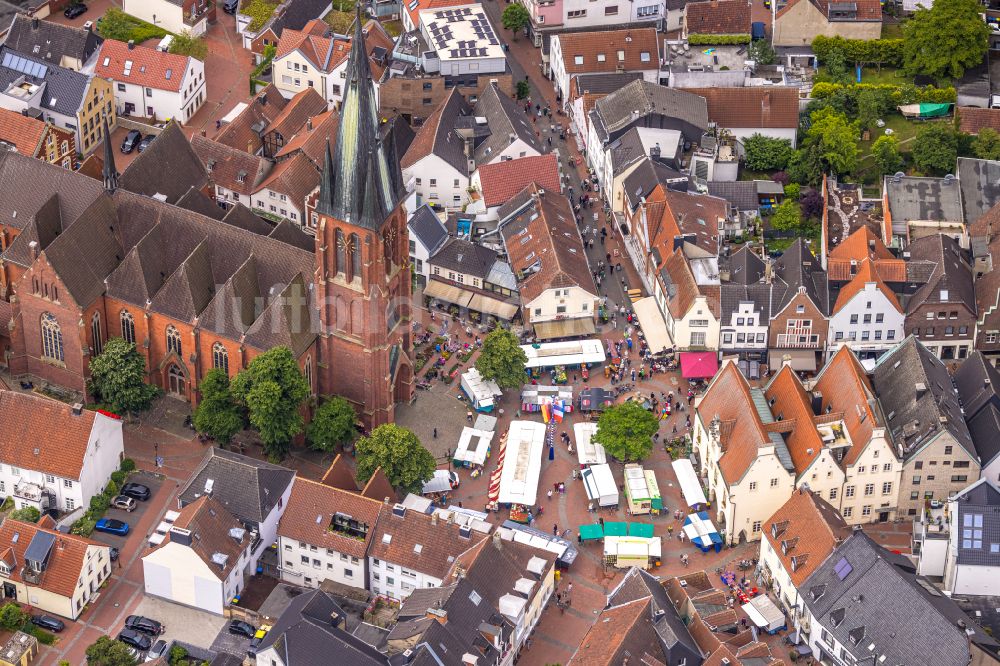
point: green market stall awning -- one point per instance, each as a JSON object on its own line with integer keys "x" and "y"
{"x": 925, "y": 110}
{"x": 615, "y": 529}
{"x": 644, "y": 530}
{"x": 657, "y": 503}
{"x": 591, "y": 532}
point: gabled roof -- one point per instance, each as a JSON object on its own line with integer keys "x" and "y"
{"x": 694, "y": 217}
{"x": 419, "y": 542}
{"x": 951, "y": 280}
{"x": 310, "y": 511}
{"x": 866, "y": 275}
{"x": 45, "y": 436}
{"x": 978, "y": 383}
{"x": 506, "y": 122}
{"x": 803, "y": 533}
{"x": 640, "y": 98}
{"x": 213, "y": 535}
{"x": 464, "y": 256}
{"x": 245, "y": 132}
{"x": 437, "y": 135}
{"x": 169, "y": 167}
{"x": 919, "y": 398}
{"x": 790, "y": 402}
{"x": 247, "y": 487}
{"x": 800, "y": 269}
{"x": 141, "y": 66}
{"x": 231, "y": 168}
{"x": 647, "y": 175}
{"x": 66, "y": 561}
{"x": 544, "y": 247}
{"x": 427, "y": 228}
{"x": 312, "y": 137}
{"x": 314, "y": 41}
{"x": 626, "y": 627}
{"x": 718, "y": 17}
{"x": 64, "y": 88}
{"x": 867, "y": 10}
{"x": 602, "y": 83}
{"x": 23, "y": 132}
{"x": 294, "y": 14}
{"x": 295, "y": 177}
{"x": 980, "y": 502}
{"x": 640, "y": 47}
{"x": 983, "y": 428}
{"x": 751, "y": 106}
{"x": 51, "y": 41}
{"x": 502, "y": 180}
{"x": 843, "y": 260}
{"x": 846, "y": 389}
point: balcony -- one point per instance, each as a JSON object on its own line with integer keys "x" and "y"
{"x": 29, "y": 492}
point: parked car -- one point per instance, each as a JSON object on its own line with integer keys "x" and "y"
{"x": 144, "y": 624}
{"x": 241, "y": 628}
{"x": 230, "y": 6}
{"x": 258, "y": 638}
{"x": 124, "y": 503}
{"x": 112, "y": 526}
{"x": 144, "y": 144}
{"x": 75, "y": 10}
{"x": 48, "y": 622}
{"x": 158, "y": 650}
{"x": 136, "y": 491}
{"x": 135, "y": 639}
{"x": 113, "y": 553}
{"x": 132, "y": 140}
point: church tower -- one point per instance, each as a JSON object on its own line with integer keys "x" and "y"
{"x": 364, "y": 290}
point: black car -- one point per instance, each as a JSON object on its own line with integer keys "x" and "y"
{"x": 48, "y": 622}
{"x": 132, "y": 140}
{"x": 230, "y": 6}
{"x": 241, "y": 628}
{"x": 135, "y": 639}
{"x": 136, "y": 491}
{"x": 113, "y": 553}
{"x": 144, "y": 624}
{"x": 144, "y": 144}
{"x": 75, "y": 10}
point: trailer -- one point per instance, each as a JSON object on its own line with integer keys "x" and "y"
{"x": 482, "y": 393}
{"x": 641, "y": 490}
{"x": 600, "y": 485}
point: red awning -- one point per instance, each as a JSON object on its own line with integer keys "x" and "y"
{"x": 699, "y": 365}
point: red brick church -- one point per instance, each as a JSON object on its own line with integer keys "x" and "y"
{"x": 147, "y": 256}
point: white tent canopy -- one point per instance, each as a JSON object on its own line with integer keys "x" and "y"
{"x": 473, "y": 445}
{"x": 575, "y": 352}
{"x": 631, "y": 551}
{"x": 764, "y": 613}
{"x": 688, "y": 480}
{"x": 600, "y": 485}
{"x": 439, "y": 483}
{"x": 587, "y": 450}
{"x": 522, "y": 463}
{"x": 654, "y": 328}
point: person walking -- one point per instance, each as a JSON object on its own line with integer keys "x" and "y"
{"x": 435, "y": 433}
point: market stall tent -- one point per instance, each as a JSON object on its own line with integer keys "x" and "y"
{"x": 595, "y": 399}
{"x": 641, "y": 490}
{"x": 592, "y": 532}
{"x": 699, "y": 365}
{"x": 600, "y": 485}
{"x": 762, "y": 611}
{"x": 473, "y": 447}
{"x": 626, "y": 551}
{"x": 654, "y": 328}
{"x": 575, "y": 352}
{"x": 441, "y": 482}
{"x": 699, "y": 529}
{"x": 587, "y": 450}
{"x": 688, "y": 480}
{"x": 482, "y": 393}
{"x": 522, "y": 463}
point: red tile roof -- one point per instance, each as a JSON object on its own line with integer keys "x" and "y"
{"x": 502, "y": 180}
{"x": 310, "y": 509}
{"x": 419, "y": 542}
{"x": 150, "y": 68}
{"x": 867, "y": 10}
{"x": 810, "y": 530}
{"x": 211, "y": 525}
{"x": 866, "y": 274}
{"x": 791, "y": 401}
{"x": 972, "y": 119}
{"x": 295, "y": 177}
{"x": 22, "y": 132}
{"x": 311, "y": 41}
{"x": 634, "y": 43}
{"x": 846, "y": 389}
{"x": 718, "y": 17}
{"x": 752, "y": 106}
{"x": 606, "y": 636}
{"x": 741, "y": 429}
{"x": 66, "y": 562}
{"x": 46, "y": 436}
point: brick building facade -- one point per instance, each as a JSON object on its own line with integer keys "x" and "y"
{"x": 415, "y": 97}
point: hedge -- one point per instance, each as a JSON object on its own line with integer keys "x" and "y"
{"x": 717, "y": 40}
{"x": 901, "y": 94}
{"x": 888, "y": 52}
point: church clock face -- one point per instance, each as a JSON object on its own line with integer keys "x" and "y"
{"x": 346, "y": 245}
{"x": 390, "y": 235}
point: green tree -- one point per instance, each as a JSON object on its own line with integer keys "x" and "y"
{"x": 332, "y": 424}
{"x": 399, "y": 453}
{"x": 217, "y": 415}
{"x": 502, "y": 359}
{"x": 272, "y": 388}
{"x": 793, "y": 191}
{"x": 764, "y": 153}
{"x": 760, "y": 52}
{"x": 626, "y": 430}
{"x": 515, "y": 18}
{"x": 27, "y": 514}
{"x": 186, "y": 44}
{"x": 117, "y": 378}
{"x": 869, "y": 108}
{"x": 12, "y": 617}
{"x": 178, "y": 656}
{"x": 523, "y": 89}
{"x": 787, "y": 216}
{"x": 986, "y": 146}
{"x": 946, "y": 39}
{"x": 830, "y": 144}
{"x": 935, "y": 148}
{"x": 885, "y": 150}
{"x": 109, "y": 652}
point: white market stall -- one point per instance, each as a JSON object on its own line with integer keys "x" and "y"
{"x": 587, "y": 450}
{"x": 482, "y": 393}
{"x": 654, "y": 328}
{"x": 690, "y": 486}
{"x": 762, "y": 611}
{"x": 441, "y": 482}
{"x": 473, "y": 449}
{"x": 576, "y": 352}
{"x": 641, "y": 490}
{"x": 600, "y": 485}
{"x": 522, "y": 463}
{"x": 624, "y": 552}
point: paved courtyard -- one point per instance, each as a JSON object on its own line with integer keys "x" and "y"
{"x": 189, "y": 625}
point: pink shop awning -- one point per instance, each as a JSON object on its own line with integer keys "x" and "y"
{"x": 699, "y": 365}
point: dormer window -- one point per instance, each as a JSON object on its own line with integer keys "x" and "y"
{"x": 4, "y": 569}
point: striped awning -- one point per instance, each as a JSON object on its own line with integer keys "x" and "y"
{"x": 448, "y": 293}
{"x": 564, "y": 328}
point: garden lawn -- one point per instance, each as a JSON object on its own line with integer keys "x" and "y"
{"x": 259, "y": 12}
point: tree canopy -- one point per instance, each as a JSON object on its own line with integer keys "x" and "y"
{"x": 787, "y": 216}
{"x": 515, "y": 18}
{"x": 273, "y": 389}
{"x": 885, "y": 151}
{"x": 12, "y": 617}
{"x": 217, "y": 415}
{"x": 26, "y": 514}
{"x": 109, "y": 652}
{"x": 186, "y": 44}
{"x": 760, "y": 52}
{"x": 834, "y": 139}
{"x": 501, "y": 358}
{"x": 626, "y": 430}
{"x": 935, "y": 148}
{"x": 405, "y": 461}
{"x": 986, "y": 146}
{"x": 765, "y": 153}
{"x": 118, "y": 378}
{"x": 946, "y": 39}
{"x": 332, "y": 424}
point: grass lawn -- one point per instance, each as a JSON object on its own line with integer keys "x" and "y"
{"x": 116, "y": 24}
{"x": 259, "y": 12}
{"x": 892, "y": 30}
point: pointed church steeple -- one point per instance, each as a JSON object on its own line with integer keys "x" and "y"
{"x": 110, "y": 171}
{"x": 359, "y": 154}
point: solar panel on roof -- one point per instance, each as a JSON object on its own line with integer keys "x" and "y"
{"x": 843, "y": 568}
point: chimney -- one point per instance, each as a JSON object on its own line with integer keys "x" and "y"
{"x": 77, "y": 409}
{"x": 131, "y": 44}
{"x": 438, "y": 614}
{"x": 180, "y": 535}
{"x": 33, "y": 248}
{"x": 204, "y": 133}
{"x": 469, "y": 659}
{"x": 34, "y": 23}
{"x": 263, "y": 99}
{"x": 434, "y": 518}
{"x": 309, "y": 124}
{"x": 786, "y": 359}
{"x": 337, "y": 620}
